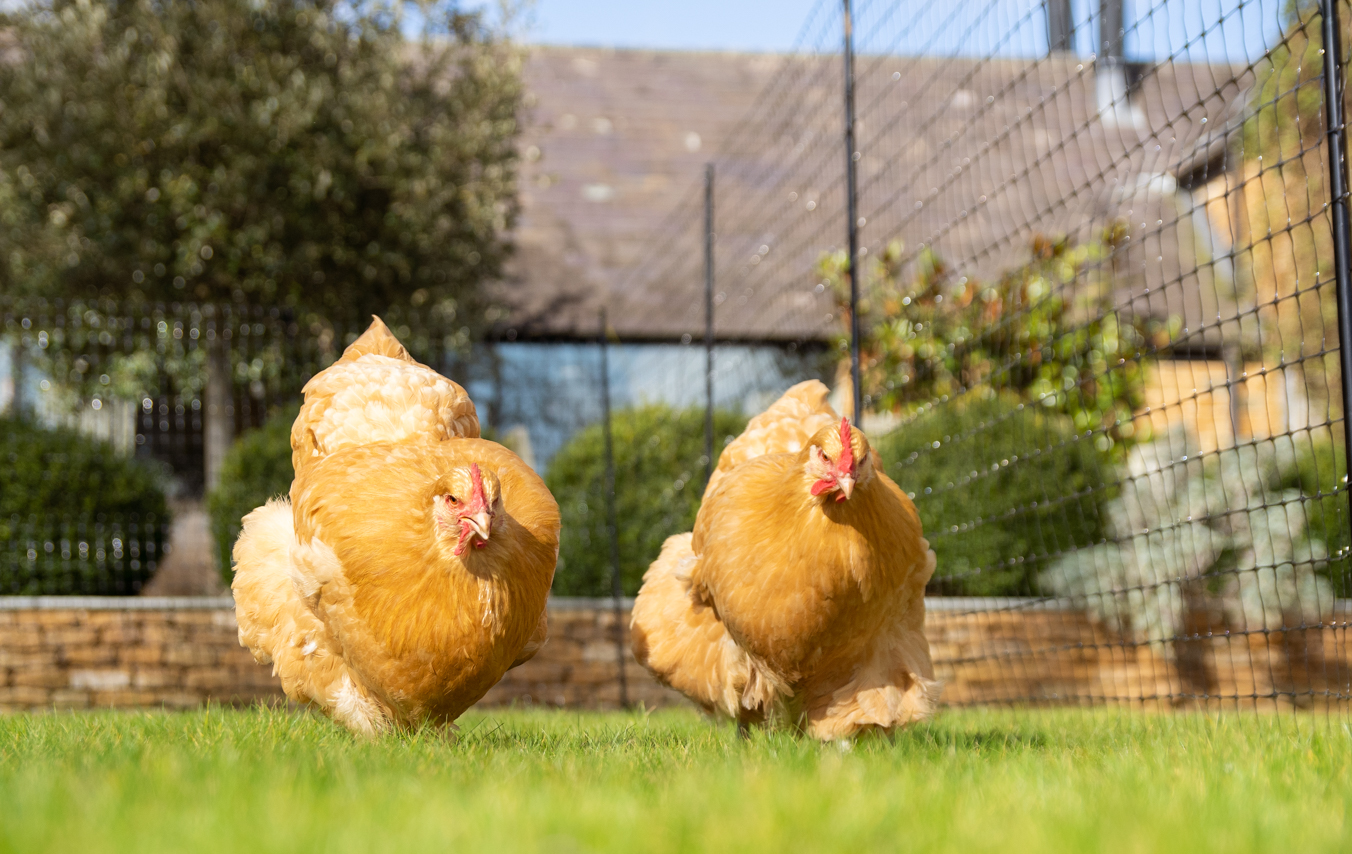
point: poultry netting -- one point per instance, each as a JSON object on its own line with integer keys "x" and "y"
{"x": 1098, "y": 346}
{"x": 1098, "y": 337}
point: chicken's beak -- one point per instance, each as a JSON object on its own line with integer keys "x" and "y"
{"x": 846, "y": 483}
{"x": 480, "y": 523}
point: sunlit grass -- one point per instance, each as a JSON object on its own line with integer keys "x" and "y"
{"x": 271, "y": 780}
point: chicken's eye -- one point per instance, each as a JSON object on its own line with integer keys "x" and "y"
{"x": 452, "y": 499}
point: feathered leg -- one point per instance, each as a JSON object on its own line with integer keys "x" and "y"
{"x": 277, "y": 627}
{"x": 682, "y": 641}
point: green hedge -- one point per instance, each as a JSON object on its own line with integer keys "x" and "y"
{"x": 76, "y": 518}
{"x": 256, "y": 468}
{"x": 1001, "y": 488}
{"x": 659, "y": 480}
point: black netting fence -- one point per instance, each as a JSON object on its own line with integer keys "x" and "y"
{"x": 1097, "y": 272}
{"x": 1097, "y": 275}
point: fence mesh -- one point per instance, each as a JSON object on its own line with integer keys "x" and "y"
{"x": 1099, "y": 334}
{"x": 1099, "y": 345}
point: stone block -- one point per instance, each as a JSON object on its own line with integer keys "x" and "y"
{"x": 71, "y": 636}
{"x": 120, "y": 634}
{"x": 70, "y": 699}
{"x": 158, "y": 633}
{"x": 85, "y": 655}
{"x": 100, "y": 680}
{"x": 190, "y": 655}
{"x": 24, "y": 696}
{"x": 40, "y": 677}
{"x": 54, "y": 619}
{"x": 179, "y": 700}
{"x": 20, "y": 638}
{"x": 17, "y": 659}
{"x": 147, "y": 654}
{"x": 157, "y": 677}
{"x": 123, "y": 699}
{"x": 213, "y": 679}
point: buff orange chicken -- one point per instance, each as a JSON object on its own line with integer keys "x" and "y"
{"x": 409, "y": 568}
{"x": 799, "y": 596}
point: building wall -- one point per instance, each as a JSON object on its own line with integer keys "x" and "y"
{"x": 182, "y": 653}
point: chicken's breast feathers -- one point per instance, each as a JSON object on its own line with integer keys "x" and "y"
{"x": 783, "y": 428}
{"x": 377, "y": 393}
{"x": 806, "y": 587}
{"x": 429, "y": 631}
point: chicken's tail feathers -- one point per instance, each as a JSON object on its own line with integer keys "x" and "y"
{"x": 279, "y": 629}
{"x": 681, "y": 640}
{"x": 376, "y": 340}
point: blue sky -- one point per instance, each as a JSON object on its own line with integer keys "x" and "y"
{"x": 1215, "y": 30}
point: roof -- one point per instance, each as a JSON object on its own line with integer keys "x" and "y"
{"x": 969, "y": 156}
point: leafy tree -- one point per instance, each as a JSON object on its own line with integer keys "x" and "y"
{"x": 302, "y": 154}
{"x": 294, "y": 152}
{"x": 1046, "y": 331}
{"x": 658, "y": 485}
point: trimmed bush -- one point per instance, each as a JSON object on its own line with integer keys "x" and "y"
{"x": 75, "y": 517}
{"x": 257, "y": 467}
{"x": 1002, "y": 488}
{"x": 659, "y": 477}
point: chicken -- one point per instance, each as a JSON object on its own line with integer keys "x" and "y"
{"x": 799, "y": 596}
{"x": 410, "y": 566}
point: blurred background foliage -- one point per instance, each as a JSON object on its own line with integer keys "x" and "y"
{"x": 257, "y": 468}
{"x": 75, "y": 516}
{"x": 1014, "y": 483}
{"x": 1047, "y": 330}
{"x": 300, "y": 153}
{"x": 659, "y": 480}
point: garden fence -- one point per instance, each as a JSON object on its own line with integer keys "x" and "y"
{"x": 1097, "y": 253}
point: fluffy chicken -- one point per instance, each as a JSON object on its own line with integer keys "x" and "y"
{"x": 409, "y": 568}
{"x": 799, "y": 596}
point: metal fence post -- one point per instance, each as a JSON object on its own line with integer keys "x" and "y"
{"x": 852, "y": 213}
{"x": 612, "y": 527}
{"x": 1342, "y": 237}
{"x": 708, "y": 322}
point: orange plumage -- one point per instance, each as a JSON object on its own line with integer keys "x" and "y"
{"x": 799, "y": 596}
{"x": 410, "y": 568}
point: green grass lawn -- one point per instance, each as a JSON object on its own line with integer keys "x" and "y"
{"x": 270, "y": 780}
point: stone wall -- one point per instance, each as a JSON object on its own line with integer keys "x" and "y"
{"x": 145, "y": 652}
{"x": 76, "y": 652}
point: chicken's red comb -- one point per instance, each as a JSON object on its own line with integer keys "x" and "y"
{"x": 846, "y": 461}
{"x": 478, "y": 498}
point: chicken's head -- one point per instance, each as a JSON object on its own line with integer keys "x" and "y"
{"x": 839, "y": 459}
{"x": 466, "y": 506}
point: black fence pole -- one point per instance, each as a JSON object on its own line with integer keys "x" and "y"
{"x": 852, "y": 213}
{"x": 612, "y": 527}
{"x": 1342, "y": 237}
{"x": 708, "y": 322}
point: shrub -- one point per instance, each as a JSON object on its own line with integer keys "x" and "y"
{"x": 1190, "y": 529}
{"x": 659, "y": 476}
{"x": 1001, "y": 487}
{"x": 257, "y": 467}
{"x": 75, "y": 517}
